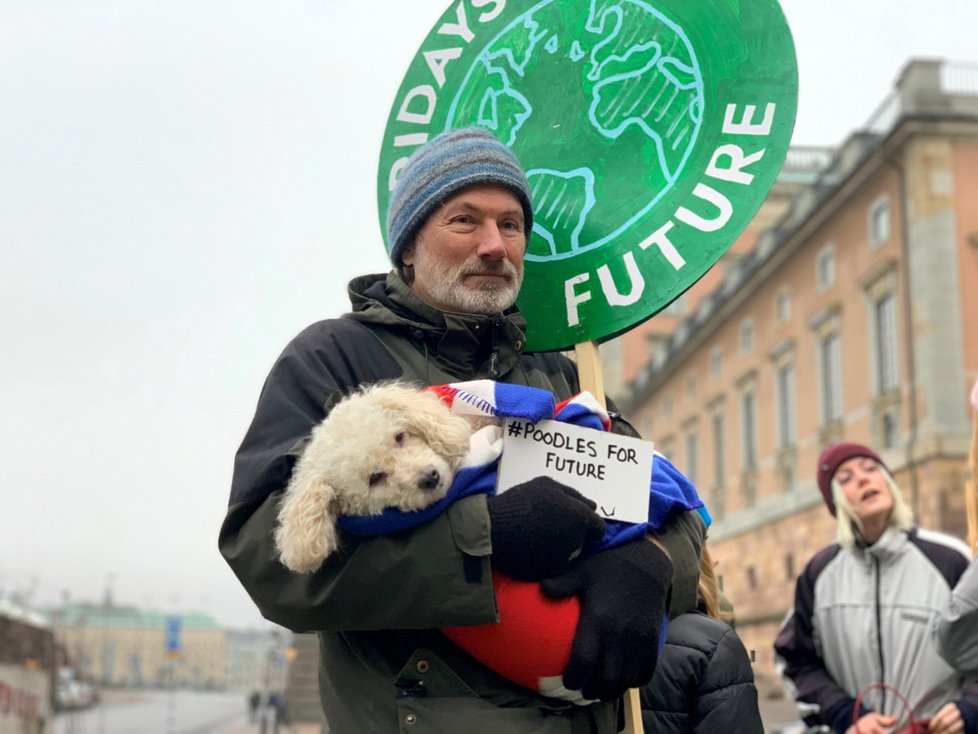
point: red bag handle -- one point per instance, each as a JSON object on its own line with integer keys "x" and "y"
{"x": 912, "y": 724}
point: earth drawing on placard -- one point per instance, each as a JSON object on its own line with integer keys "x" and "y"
{"x": 651, "y": 132}
{"x": 639, "y": 76}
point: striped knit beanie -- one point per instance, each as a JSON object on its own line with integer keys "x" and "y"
{"x": 448, "y": 163}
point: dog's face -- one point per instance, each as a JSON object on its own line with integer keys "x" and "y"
{"x": 391, "y": 446}
{"x": 386, "y": 446}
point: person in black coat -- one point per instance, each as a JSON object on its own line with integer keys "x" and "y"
{"x": 704, "y": 682}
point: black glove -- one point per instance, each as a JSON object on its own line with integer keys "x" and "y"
{"x": 624, "y": 593}
{"x": 539, "y": 526}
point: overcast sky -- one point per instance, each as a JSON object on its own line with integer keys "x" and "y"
{"x": 186, "y": 184}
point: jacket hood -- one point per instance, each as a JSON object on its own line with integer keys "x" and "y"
{"x": 463, "y": 343}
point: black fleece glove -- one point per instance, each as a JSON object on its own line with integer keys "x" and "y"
{"x": 539, "y": 526}
{"x": 624, "y": 593}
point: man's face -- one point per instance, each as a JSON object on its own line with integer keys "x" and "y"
{"x": 468, "y": 256}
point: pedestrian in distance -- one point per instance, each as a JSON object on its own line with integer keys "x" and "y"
{"x": 280, "y": 706}
{"x": 254, "y": 699}
{"x": 867, "y": 607}
{"x": 459, "y": 219}
{"x": 703, "y": 682}
{"x": 957, "y": 631}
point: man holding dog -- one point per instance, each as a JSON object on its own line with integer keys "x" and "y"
{"x": 459, "y": 220}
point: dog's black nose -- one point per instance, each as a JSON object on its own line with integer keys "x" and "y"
{"x": 429, "y": 478}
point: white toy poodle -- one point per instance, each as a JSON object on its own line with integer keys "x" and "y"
{"x": 388, "y": 445}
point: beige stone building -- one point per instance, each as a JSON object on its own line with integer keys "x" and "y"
{"x": 123, "y": 646}
{"x": 849, "y": 310}
{"x": 258, "y": 660}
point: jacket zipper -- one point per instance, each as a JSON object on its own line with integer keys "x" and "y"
{"x": 879, "y": 635}
{"x": 494, "y": 356}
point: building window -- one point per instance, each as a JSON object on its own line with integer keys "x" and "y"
{"x": 748, "y": 429}
{"x": 751, "y": 577}
{"x": 888, "y": 429}
{"x": 884, "y": 317}
{"x": 692, "y": 456}
{"x": 785, "y": 386}
{"x": 719, "y": 495}
{"x": 716, "y": 362}
{"x": 884, "y": 366}
{"x": 647, "y": 423}
{"x": 667, "y": 407}
{"x": 612, "y": 368}
{"x": 746, "y": 336}
{"x": 667, "y": 447}
{"x": 658, "y": 346}
{"x": 786, "y": 473}
{"x": 718, "y": 502}
{"x": 879, "y": 222}
{"x": 830, "y": 365}
{"x": 718, "y": 449}
{"x": 825, "y": 268}
{"x": 782, "y": 306}
{"x": 730, "y": 262}
{"x": 677, "y": 307}
{"x": 690, "y": 389}
{"x": 789, "y": 567}
{"x": 748, "y": 489}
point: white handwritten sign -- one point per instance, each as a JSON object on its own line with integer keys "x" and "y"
{"x": 614, "y": 471}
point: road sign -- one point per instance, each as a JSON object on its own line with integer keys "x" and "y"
{"x": 650, "y": 134}
{"x": 172, "y": 636}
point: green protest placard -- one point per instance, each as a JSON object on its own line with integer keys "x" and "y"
{"x": 650, "y": 134}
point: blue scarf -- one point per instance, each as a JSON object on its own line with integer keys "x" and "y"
{"x": 669, "y": 491}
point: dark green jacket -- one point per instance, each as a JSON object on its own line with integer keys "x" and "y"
{"x": 377, "y": 602}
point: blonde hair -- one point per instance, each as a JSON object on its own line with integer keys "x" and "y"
{"x": 848, "y": 525}
{"x": 708, "y": 589}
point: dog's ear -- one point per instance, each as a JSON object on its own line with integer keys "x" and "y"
{"x": 446, "y": 433}
{"x": 306, "y": 533}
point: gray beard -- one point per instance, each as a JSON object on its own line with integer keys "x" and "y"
{"x": 448, "y": 287}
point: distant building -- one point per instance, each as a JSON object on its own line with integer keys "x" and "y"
{"x": 28, "y": 661}
{"x": 125, "y": 646}
{"x": 850, "y": 315}
{"x": 626, "y": 357}
{"x": 257, "y": 660}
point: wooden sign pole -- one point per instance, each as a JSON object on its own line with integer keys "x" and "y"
{"x": 589, "y": 370}
{"x": 589, "y": 377}
{"x": 971, "y": 487}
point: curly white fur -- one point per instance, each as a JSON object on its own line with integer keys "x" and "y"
{"x": 387, "y": 445}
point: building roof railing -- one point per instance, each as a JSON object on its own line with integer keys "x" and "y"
{"x": 808, "y": 158}
{"x": 959, "y": 78}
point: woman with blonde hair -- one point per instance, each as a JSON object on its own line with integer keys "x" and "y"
{"x": 866, "y": 610}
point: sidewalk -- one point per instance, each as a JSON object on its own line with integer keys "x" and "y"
{"x": 774, "y": 713}
{"x": 255, "y": 728}
{"x": 776, "y": 709}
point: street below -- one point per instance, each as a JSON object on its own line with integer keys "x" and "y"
{"x": 157, "y": 712}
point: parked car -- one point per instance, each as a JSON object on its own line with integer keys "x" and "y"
{"x": 72, "y": 693}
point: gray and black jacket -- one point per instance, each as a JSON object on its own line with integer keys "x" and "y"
{"x": 376, "y": 603}
{"x": 957, "y": 632}
{"x": 870, "y": 615}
